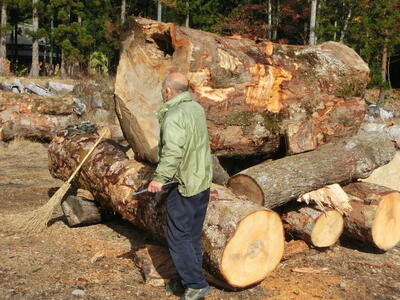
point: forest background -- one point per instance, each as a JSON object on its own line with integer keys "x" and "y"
{"x": 82, "y": 37}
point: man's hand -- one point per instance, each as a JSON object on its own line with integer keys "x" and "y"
{"x": 155, "y": 187}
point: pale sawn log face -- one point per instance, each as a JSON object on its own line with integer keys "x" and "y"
{"x": 252, "y": 92}
{"x": 274, "y": 183}
{"x": 112, "y": 179}
{"x": 375, "y": 218}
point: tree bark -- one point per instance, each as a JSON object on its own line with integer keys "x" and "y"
{"x": 276, "y": 20}
{"x": 274, "y": 183}
{"x": 313, "y": 18}
{"x": 269, "y": 13}
{"x": 123, "y": 11}
{"x": 238, "y": 236}
{"x": 187, "y": 20}
{"x": 35, "y": 42}
{"x": 30, "y": 116}
{"x": 3, "y": 45}
{"x": 346, "y": 24}
{"x": 375, "y": 218}
{"x": 159, "y": 11}
{"x": 252, "y": 93}
{"x": 318, "y": 228}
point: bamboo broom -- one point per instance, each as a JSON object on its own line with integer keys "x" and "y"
{"x": 36, "y": 221}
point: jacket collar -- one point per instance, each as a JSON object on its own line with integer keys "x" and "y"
{"x": 182, "y": 97}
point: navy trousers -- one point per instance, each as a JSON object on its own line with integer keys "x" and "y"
{"x": 185, "y": 223}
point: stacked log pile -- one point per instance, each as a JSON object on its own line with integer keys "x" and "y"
{"x": 258, "y": 98}
{"x": 33, "y": 116}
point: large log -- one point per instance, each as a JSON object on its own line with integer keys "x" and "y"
{"x": 274, "y": 183}
{"x": 251, "y": 91}
{"x": 375, "y": 217}
{"x": 242, "y": 241}
{"x": 32, "y": 116}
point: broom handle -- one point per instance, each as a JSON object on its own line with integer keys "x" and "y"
{"x": 86, "y": 157}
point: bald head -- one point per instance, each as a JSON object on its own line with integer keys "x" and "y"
{"x": 174, "y": 84}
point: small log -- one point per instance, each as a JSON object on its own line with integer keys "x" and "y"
{"x": 252, "y": 92}
{"x": 274, "y": 183}
{"x": 242, "y": 241}
{"x": 60, "y": 88}
{"x": 375, "y": 218}
{"x": 318, "y": 228}
{"x": 38, "y": 90}
{"x": 80, "y": 212}
{"x": 156, "y": 265}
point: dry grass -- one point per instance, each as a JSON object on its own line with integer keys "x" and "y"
{"x": 23, "y": 146}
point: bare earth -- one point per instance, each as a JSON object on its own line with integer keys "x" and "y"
{"x": 99, "y": 258}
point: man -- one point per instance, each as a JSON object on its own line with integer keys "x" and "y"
{"x": 185, "y": 157}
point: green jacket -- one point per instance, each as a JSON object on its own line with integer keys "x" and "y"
{"x": 184, "y": 148}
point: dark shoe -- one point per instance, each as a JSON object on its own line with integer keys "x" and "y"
{"x": 195, "y": 294}
{"x": 175, "y": 287}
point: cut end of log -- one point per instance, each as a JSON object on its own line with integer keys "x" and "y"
{"x": 386, "y": 224}
{"x": 251, "y": 254}
{"x": 327, "y": 229}
{"x": 244, "y": 185}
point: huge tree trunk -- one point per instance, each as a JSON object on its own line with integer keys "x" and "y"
{"x": 242, "y": 242}
{"x": 321, "y": 229}
{"x": 375, "y": 217}
{"x": 3, "y": 45}
{"x": 35, "y": 42}
{"x": 273, "y": 183}
{"x": 252, "y": 92}
{"x": 31, "y": 116}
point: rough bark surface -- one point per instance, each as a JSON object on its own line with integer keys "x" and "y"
{"x": 375, "y": 218}
{"x": 32, "y": 116}
{"x": 251, "y": 92}
{"x": 274, "y": 183}
{"x": 112, "y": 179}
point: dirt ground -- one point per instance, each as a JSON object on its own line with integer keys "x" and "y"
{"x": 98, "y": 259}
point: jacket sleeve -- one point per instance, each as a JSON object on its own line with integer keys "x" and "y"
{"x": 173, "y": 136}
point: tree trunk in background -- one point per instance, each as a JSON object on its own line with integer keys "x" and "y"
{"x": 242, "y": 242}
{"x": 159, "y": 11}
{"x": 51, "y": 46}
{"x": 123, "y": 11}
{"x": 346, "y": 24}
{"x": 276, "y": 19}
{"x": 274, "y": 183}
{"x": 375, "y": 218}
{"x": 187, "y": 20}
{"x": 269, "y": 12}
{"x": 35, "y": 42}
{"x": 255, "y": 95}
{"x": 3, "y": 45}
{"x": 313, "y": 18}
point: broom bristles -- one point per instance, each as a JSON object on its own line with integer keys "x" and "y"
{"x": 36, "y": 221}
